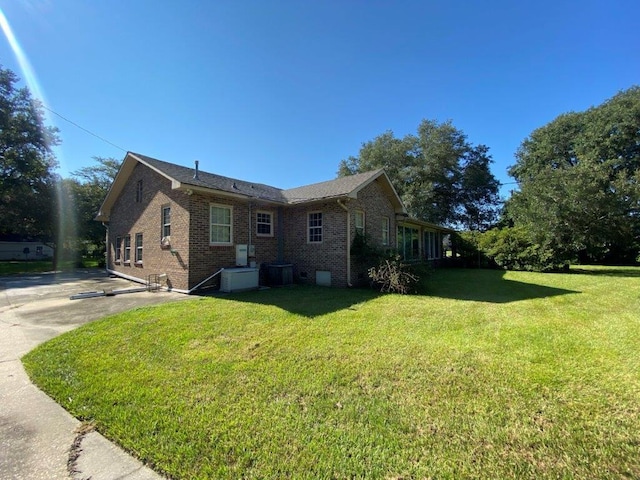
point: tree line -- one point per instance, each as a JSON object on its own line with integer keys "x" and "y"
{"x": 577, "y": 197}
{"x": 578, "y": 187}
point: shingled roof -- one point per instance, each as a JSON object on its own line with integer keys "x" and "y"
{"x": 184, "y": 178}
{"x": 340, "y": 187}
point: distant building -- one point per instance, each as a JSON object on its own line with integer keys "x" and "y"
{"x": 12, "y": 247}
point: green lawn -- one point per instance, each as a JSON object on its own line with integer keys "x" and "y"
{"x": 14, "y": 267}
{"x": 489, "y": 375}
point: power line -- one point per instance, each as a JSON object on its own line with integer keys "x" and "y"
{"x": 84, "y": 129}
{"x": 125, "y": 150}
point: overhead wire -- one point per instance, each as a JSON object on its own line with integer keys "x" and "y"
{"x": 84, "y": 129}
{"x": 125, "y": 150}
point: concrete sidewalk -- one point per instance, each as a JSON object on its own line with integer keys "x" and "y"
{"x": 38, "y": 438}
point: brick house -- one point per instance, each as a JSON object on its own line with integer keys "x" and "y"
{"x": 185, "y": 225}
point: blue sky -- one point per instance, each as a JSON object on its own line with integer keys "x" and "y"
{"x": 278, "y": 92}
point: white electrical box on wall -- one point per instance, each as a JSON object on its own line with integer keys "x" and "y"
{"x": 241, "y": 255}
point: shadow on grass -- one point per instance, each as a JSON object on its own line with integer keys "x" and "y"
{"x": 479, "y": 285}
{"x": 306, "y": 300}
{"x": 632, "y": 272}
{"x": 456, "y": 284}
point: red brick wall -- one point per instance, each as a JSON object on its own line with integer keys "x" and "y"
{"x": 329, "y": 255}
{"x": 131, "y": 217}
{"x": 373, "y": 201}
{"x": 193, "y": 258}
{"x": 207, "y": 259}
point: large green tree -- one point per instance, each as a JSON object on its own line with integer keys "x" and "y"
{"x": 479, "y": 200}
{"x": 27, "y": 163}
{"x": 87, "y": 189}
{"x": 579, "y": 183}
{"x": 439, "y": 175}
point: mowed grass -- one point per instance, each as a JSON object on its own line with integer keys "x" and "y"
{"x": 487, "y": 375}
{"x": 15, "y": 267}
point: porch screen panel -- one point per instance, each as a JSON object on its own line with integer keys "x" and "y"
{"x": 415, "y": 244}
{"x": 409, "y": 243}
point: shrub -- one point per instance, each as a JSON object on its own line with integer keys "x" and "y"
{"x": 393, "y": 276}
{"x": 513, "y": 249}
{"x": 364, "y": 252}
{"x": 467, "y": 246}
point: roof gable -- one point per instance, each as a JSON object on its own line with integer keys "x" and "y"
{"x": 340, "y": 187}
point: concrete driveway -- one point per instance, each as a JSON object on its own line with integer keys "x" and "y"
{"x": 38, "y": 438}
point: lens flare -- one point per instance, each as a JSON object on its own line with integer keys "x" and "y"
{"x": 65, "y": 203}
{"x": 23, "y": 61}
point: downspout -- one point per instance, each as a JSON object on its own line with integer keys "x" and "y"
{"x": 280, "y": 235}
{"x": 107, "y": 253}
{"x": 348, "y": 243}
{"x": 250, "y": 223}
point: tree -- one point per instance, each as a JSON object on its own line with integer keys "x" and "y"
{"x": 579, "y": 183}
{"x": 27, "y": 163}
{"x": 439, "y": 175}
{"x": 88, "y": 189}
{"x": 479, "y": 191}
{"x": 384, "y": 151}
{"x": 100, "y": 176}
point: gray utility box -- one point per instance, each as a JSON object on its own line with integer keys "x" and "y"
{"x": 238, "y": 279}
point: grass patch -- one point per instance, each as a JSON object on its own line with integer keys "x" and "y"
{"x": 489, "y": 375}
{"x": 15, "y": 267}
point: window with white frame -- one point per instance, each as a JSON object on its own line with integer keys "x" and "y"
{"x": 118, "y": 249}
{"x": 138, "y": 248}
{"x": 360, "y": 222}
{"x": 220, "y": 224}
{"x": 166, "y": 221}
{"x": 264, "y": 224}
{"x": 315, "y": 227}
{"x": 127, "y": 248}
{"x": 385, "y": 230}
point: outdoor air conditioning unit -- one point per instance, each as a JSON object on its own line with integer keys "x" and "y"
{"x": 165, "y": 242}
